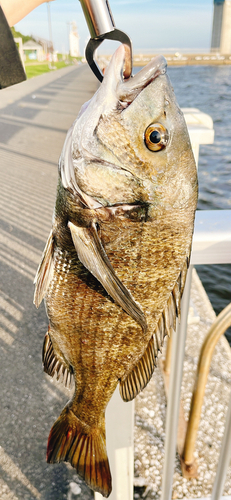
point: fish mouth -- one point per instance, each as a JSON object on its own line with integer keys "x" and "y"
{"x": 129, "y": 88}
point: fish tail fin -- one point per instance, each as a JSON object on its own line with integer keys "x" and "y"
{"x": 71, "y": 440}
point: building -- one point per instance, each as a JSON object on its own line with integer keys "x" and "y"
{"x": 33, "y": 50}
{"x": 221, "y": 34}
{"x": 74, "y": 41}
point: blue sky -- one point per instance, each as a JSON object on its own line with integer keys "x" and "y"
{"x": 151, "y": 24}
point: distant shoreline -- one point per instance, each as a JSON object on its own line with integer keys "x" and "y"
{"x": 178, "y": 59}
{"x": 187, "y": 60}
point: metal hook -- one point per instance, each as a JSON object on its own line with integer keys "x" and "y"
{"x": 102, "y": 27}
{"x": 94, "y": 43}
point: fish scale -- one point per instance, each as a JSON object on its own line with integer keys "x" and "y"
{"x": 96, "y": 309}
{"x": 114, "y": 267}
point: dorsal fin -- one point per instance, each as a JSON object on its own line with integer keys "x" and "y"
{"x": 93, "y": 256}
{"x": 45, "y": 271}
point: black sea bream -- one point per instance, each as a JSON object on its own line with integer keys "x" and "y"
{"x": 114, "y": 267}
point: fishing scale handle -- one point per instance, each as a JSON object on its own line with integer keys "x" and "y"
{"x": 98, "y": 16}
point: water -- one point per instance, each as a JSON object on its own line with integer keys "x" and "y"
{"x": 208, "y": 88}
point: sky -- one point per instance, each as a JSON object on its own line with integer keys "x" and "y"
{"x": 151, "y": 24}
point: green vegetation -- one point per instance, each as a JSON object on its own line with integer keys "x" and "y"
{"x": 35, "y": 69}
{"x": 17, "y": 34}
{"x": 71, "y": 58}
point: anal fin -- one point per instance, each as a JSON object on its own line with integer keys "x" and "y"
{"x": 55, "y": 364}
{"x": 139, "y": 377}
{"x": 136, "y": 380}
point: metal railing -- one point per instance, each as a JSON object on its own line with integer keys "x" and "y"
{"x": 218, "y": 328}
{"x": 211, "y": 245}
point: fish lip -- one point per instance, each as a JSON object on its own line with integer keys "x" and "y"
{"x": 128, "y": 89}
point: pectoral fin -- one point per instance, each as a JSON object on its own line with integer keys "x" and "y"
{"x": 44, "y": 272}
{"x": 93, "y": 256}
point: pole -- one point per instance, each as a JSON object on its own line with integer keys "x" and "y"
{"x": 224, "y": 458}
{"x": 178, "y": 348}
{"x": 119, "y": 433}
{"x": 50, "y": 29}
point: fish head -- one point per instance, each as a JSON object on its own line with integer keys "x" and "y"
{"x": 132, "y": 134}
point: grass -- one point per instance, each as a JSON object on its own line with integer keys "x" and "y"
{"x": 35, "y": 69}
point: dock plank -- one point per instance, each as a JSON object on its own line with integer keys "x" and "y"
{"x": 34, "y": 119}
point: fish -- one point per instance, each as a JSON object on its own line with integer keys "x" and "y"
{"x": 114, "y": 267}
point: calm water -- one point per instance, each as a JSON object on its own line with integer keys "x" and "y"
{"x": 209, "y": 89}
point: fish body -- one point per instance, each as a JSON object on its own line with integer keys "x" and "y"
{"x": 114, "y": 267}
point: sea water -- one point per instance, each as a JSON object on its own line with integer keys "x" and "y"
{"x": 208, "y": 88}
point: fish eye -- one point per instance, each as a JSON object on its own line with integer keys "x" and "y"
{"x": 156, "y": 137}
